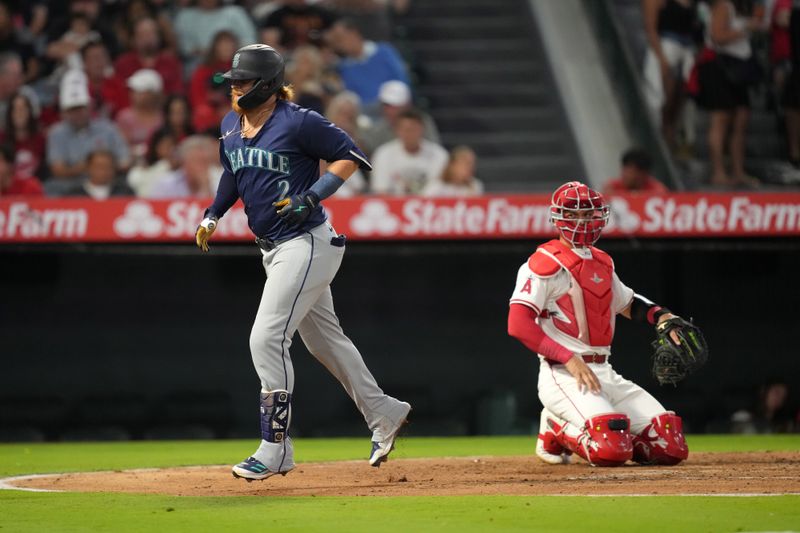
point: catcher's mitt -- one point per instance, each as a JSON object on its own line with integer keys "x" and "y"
{"x": 673, "y": 362}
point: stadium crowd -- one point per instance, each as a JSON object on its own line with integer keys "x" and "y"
{"x": 726, "y": 57}
{"x": 137, "y": 82}
{"x": 103, "y": 98}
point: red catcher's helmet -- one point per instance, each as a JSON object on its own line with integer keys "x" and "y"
{"x": 579, "y": 213}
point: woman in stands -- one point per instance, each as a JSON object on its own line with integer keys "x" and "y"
{"x": 724, "y": 87}
{"x": 23, "y": 134}
{"x": 671, "y": 27}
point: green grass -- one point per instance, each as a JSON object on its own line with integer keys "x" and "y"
{"x": 122, "y": 513}
{"x": 18, "y": 459}
{"x": 23, "y": 511}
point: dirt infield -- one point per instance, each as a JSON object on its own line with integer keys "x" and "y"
{"x": 703, "y": 473}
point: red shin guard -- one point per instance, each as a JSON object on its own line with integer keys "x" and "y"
{"x": 661, "y": 442}
{"x": 604, "y": 441}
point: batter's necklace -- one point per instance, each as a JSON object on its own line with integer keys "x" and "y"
{"x": 244, "y": 131}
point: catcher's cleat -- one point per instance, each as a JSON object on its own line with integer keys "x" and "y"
{"x": 548, "y": 448}
{"x": 251, "y": 469}
{"x": 561, "y": 458}
{"x": 381, "y": 449}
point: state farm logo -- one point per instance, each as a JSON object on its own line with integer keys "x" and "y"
{"x": 23, "y": 221}
{"x": 138, "y": 219}
{"x": 622, "y": 217}
{"x": 375, "y": 217}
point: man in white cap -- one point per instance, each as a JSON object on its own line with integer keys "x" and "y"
{"x": 72, "y": 139}
{"x": 395, "y": 97}
{"x": 145, "y": 115}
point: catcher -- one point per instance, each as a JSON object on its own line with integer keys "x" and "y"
{"x": 563, "y": 308}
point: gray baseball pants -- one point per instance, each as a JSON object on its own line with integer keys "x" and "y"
{"x": 297, "y": 297}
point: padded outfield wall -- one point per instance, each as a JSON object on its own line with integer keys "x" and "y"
{"x": 154, "y": 337}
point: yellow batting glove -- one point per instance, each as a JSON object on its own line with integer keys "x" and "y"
{"x": 204, "y": 232}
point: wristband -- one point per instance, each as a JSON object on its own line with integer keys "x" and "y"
{"x": 326, "y": 185}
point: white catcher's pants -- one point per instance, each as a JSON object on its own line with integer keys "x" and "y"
{"x": 297, "y": 297}
{"x": 558, "y": 392}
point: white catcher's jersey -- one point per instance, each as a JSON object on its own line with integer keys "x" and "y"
{"x": 541, "y": 293}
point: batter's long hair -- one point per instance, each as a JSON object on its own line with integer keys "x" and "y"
{"x": 286, "y": 93}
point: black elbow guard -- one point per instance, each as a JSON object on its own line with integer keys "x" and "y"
{"x": 643, "y": 310}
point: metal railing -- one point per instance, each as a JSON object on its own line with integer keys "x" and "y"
{"x": 627, "y": 81}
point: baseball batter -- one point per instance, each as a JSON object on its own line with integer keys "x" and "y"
{"x": 270, "y": 152}
{"x": 563, "y": 308}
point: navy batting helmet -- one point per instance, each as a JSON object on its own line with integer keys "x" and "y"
{"x": 261, "y": 63}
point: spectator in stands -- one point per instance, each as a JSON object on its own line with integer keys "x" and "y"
{"x": 207, "y": 95}
{"x": 70, "y": 141}
{"x": 344, "y": 110}
{"x": 724, "y": 85}
{"x": 780, "y": 43}
{"x": 145, "y": 115}
{"x": 12, "y": 81}
{"x": 108, "y": 92}
{"x": 304, "y": 72}
{"x": 395, "y": 97}
{"x": 198, "y": 174}
{"x": 408, "y": 163}
{"x": 178, "y": 119}
{"x": 197, "y": 25}
{"x": 65, "y": 51}
{"x": 23, "y": 134}
{"x": 671, "y": 27}
{"x": 364, "y": 64}
{"x": 31, "y": 19}
{"x": 160, "y": 162}
{"x": 12, "y": 41}
{"x": 12, "y": 184}
{"x": 458, "y": 177}
{"x": 296, "y": 23}
{"x": 791, "y": 92}
{"x": 60, "y": 20}
{"x": 134, "y": 10}
{"x": 375, "y": 17}
{"x": 774, "y": 411}
{"x": 147, "y": 51}
{"x": 635, "y": 175}
{"x": 101, "y": 181}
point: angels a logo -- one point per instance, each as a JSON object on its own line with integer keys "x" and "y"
{"x": 236, "y": 61}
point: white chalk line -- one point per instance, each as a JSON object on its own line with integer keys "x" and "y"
{"x": 8, "y": 483}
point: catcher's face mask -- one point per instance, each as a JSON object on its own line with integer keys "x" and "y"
{"x": 579, "y": 213}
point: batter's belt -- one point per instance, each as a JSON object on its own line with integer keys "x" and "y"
{"x": 268, "y": 245}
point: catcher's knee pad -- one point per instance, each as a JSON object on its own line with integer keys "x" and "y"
{"x": 607, "y": 440}
{"x": 275, "y": 414}
{"x": 661, "y": 442}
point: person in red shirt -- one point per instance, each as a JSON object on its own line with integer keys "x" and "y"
{"x": 10, "y": 183}
{"x": 23, "y": 134}
{"x": 108, "y": 92}
{"x": 635, "y": 175}
{"x": 147, "y": 52}
{"x": 209, "y": 99}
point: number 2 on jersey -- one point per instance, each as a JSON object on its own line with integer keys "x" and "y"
{"x": 283, "y": 185}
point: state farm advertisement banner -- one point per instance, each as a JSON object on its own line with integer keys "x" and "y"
{"x": 410, "y": 218}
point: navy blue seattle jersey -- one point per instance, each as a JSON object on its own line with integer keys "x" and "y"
{"x": 280, "y": 161}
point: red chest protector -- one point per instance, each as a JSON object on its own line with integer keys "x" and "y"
{"x": 587, "y": 303}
